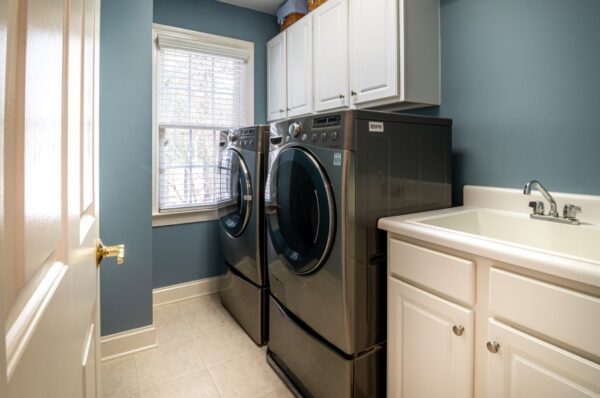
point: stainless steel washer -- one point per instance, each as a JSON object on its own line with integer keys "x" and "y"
{"x": 242, "y": 173}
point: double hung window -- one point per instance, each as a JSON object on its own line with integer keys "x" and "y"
{"x": 202, "y": 86}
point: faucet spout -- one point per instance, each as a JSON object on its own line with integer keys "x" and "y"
{"x": 538, "y": 185}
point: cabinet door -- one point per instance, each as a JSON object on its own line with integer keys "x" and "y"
{"x": 331, "y": 55}
{"x": 276, "y": 77}
{"x": 429, "y": 355}
{"x": 374, "y": 49}
{"x": 299, "y": 67}
{"x": 525, "y": 366}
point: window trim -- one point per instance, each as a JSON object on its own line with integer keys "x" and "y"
{"x": 175, "y": 217}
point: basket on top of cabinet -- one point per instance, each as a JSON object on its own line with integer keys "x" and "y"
{"x": 290, "y": 12}
{"x": 312, "y": 4}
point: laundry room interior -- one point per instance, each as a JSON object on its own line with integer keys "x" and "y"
{"x": 300, "y": 198}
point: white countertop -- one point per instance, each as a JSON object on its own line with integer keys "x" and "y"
{"x": 505, "y": 201}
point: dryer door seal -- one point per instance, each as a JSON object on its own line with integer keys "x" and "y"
{"x": 235, "y": 192}
{"x": 300, "y": 211}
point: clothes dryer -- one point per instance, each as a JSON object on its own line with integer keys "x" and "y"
{"x": 331, "y": 177}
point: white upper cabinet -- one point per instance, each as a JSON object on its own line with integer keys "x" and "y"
{"x": 330, "y": 22}
{"x": 276, "y": 78}
{"x": 395, "y": 53}
{"x": 363, "y": 53}
{"x": 299, "y": 68}
{"x": 374, "y": 54}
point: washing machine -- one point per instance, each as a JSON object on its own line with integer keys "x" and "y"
{"x": 241, "y": 181}
{"x": 331, "y": 177}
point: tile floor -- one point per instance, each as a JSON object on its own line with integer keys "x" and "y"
{"x": 202, "y": 352}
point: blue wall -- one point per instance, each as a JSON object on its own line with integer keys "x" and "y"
{"x": 191, "y": 251}
{"x": 185, "y": 252}
{"x": 521, "y": 79}
{"x": 125, "y": 161}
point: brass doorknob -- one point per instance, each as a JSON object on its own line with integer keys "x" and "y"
{"x": 102, "y": 251}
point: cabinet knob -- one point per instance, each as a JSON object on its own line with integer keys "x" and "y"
{"x": 458, "y": 330}
{"x": 281, "y": 110}
{"x": 353, "y": 93}
{"x": 493, "y": 346}
{"x": 341, "y": 96}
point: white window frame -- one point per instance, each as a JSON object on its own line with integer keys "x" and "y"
{"x": 206, "y": 214}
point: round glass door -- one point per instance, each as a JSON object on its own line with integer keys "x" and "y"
{"x": 301, "y": 212}
{"x": 236, "y": 193}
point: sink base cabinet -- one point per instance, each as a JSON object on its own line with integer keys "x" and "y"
{"x": 430, "y": 351}
{"x": 519, "y": 336}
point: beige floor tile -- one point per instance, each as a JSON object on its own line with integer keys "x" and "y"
{"x": 222, "y": 344}
{"x": 281, "y": 393}
{"x": 119, "y": 378}
{"x": 205, "y": 313}
{"x": 195, "y": 385}
{"x": 168, "y": 361}
{"x": 172, "y": 329}
{"x": 248, "y": 376}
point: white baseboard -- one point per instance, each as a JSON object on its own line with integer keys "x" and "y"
{"x": 185, "y": 291}
{"x": 127, "y": 342}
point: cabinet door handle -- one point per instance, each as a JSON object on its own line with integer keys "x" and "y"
{"x": 458, "y": 330}
{"x": 493, "y": 346}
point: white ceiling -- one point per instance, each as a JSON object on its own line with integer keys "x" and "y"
{"x": 268, "y": 6}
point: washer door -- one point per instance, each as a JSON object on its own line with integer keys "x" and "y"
{"x": 236, "y": 193}
{"x": 301, "y": 214}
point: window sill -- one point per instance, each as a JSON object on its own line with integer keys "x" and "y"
{"x": 183, "y": 217}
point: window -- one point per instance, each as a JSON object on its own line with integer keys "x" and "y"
{"x": 203, "y": 84}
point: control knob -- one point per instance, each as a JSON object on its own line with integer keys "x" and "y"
{"x": 295, "y": 129}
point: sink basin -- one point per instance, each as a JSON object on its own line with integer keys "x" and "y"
{"x": 577, "y": 241}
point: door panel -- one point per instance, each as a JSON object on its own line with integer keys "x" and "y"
{"x": 299, "y": 68}
{"x": 525, "y": 366}
{"x": 331, "y": 55}
{"x": 374, "y": 52}
{"x": 423, "y": 347}
{"x": 49, "y": 284}
{"x": 276, "y": 78}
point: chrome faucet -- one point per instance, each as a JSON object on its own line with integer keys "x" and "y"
{"x": 536, "y": 184}
{"x": 569, "y": 212}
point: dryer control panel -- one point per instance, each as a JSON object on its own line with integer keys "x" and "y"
{"x": 319, "y": 130}
{"x": 247, "y": 138}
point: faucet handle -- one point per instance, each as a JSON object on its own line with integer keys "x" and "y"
{"x": 570, "y": 211}
{"x": 537, "y": 206}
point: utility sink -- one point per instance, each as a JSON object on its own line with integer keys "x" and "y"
{"x": 577, "y": 241}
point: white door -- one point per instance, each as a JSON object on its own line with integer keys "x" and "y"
{"x": 276, "y": 78}
{"x": 49, "y": 199}
{"x": 374, "y": 49}
{"x": 299, "y": 68}
{"x": 430, "y": 345}
{"x": 525, "y": 366}
{"x": 330, "y": 22}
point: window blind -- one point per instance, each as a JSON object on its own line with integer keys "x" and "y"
{"x": 199, "y": 94}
